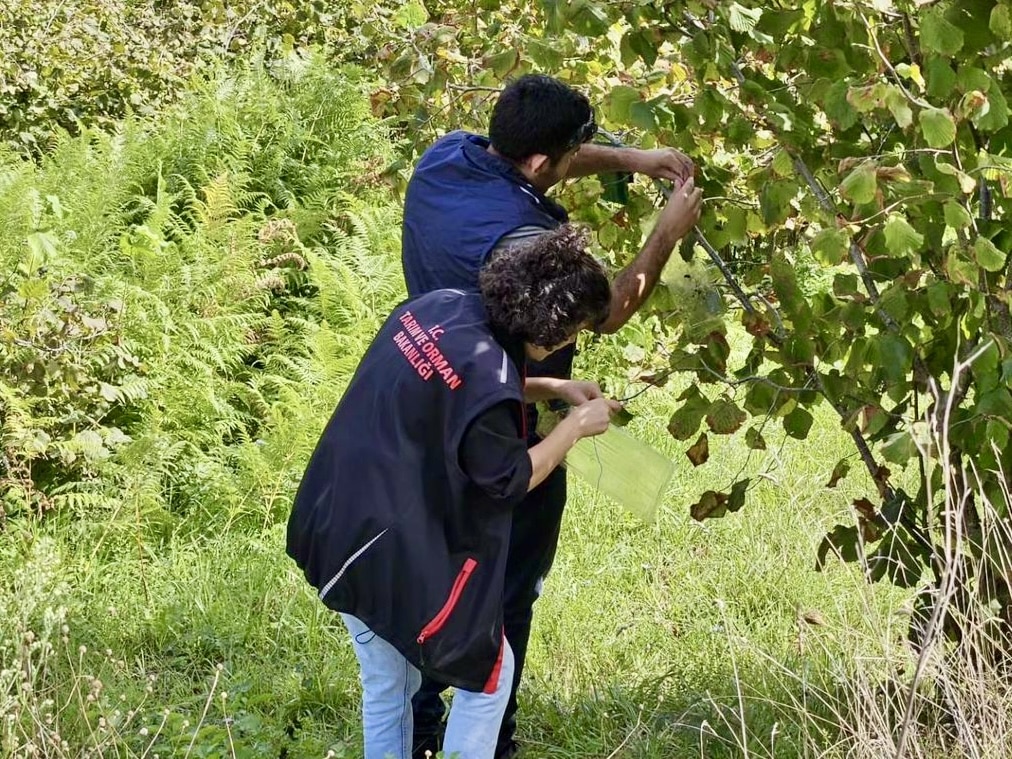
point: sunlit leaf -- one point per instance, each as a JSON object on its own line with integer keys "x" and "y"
{"x": 937, "y": 126}
{"x": 901, "y": 238}
{"x": 860, "y": 185}
{"x": 988, "y": 256}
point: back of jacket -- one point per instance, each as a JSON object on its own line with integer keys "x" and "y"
{"x": 386, "y": 525}
{"x": 461, "y": 201}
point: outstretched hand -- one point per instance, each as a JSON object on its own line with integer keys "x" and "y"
{"x": 681, "y": 212}
{"x": 575, "y": 392}
{"x": 592, "y": 417}
{"x": 662, "y": 163}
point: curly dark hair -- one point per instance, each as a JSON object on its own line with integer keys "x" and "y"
{"x": 545, "y": 290}
{"x": 538, "y": 114}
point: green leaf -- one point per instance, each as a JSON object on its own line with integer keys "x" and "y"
{"x": 867, "y": 98}
{"x": 546, "y": 55}
{"x": 775, "y": 200}
{"x": 901, "y": 238}
{"x": 798, "y": 423}
{"x": 711, "y": 505}
{"x": 838, "y": 108}
{"x": 895, "y": 355}
{"x": 996, "y": 117}
{"x": 782, "y": 164}
{"x": 754, "y": 439}
{"x": 839, "y": 472}
{"x": 940, "y": 77}
{"x": 685, "y": 421}
{"x": 737, "y": 499}
{"x": 411, "y": 14}
{"x": 966, "y": 183}
{"x": 899, "y": 448}
{"x": 502, "y": 63}
{"x": 898, "y": 557}
{"x": 894, "y": 302}
{"x": 742, "y": 19}
{"x": 939, "y": 294}
{"x": 939, "y": 35}
{"x": 636, "y": 43}
{"x": 641, "y": 116}
{"x": 736, "y": 226}
{"x": 860, "y": 185}
{"x": 830, "y": 246}
{"x": 785, "y": 282}
{"x": 956, "y": 216}
{"x": 1000, "y": 22}
{"x": 899, "y": 106}
{"x": 996, "y": 403}
{"x": 959, "y": 269}
{"x": 622, "y": 417}
{"x": 988, "y": 256}
{"x": 937, "y": 126}
{"x": 620, "y": 101}
{"x": 724, "y": 417}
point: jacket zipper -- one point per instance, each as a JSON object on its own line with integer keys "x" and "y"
{"x": 458, "y": 587}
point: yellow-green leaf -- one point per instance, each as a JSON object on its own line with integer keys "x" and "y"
{"x": 859, "y": 186}
{"x": 899, "y": 107}
{"x": 938, "y": 35}
{"x": 1001, "y": 21}
{"x": 956, "y": 216}
{"x": 900, "y": 237}
{"x": 988, "y": 256}
{"x": 830, "y": 246}
{"x": 411, "y": 14}
{"x": 937, "y": 126}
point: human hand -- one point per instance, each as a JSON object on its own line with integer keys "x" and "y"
{"x": 662, "y": 163}
{"x": 576, "y": 393}
{"x": 681, "y": 213}
{"x": 592, "y": 417}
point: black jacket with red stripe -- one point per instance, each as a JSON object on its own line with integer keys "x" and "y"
{"x": 386, "y": 524}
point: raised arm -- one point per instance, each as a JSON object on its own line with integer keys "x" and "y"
{"x": 663, "y": 163}
{"x": 633, "y": 285}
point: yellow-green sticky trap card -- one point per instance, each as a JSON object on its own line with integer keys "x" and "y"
{"x": 623, "y": 468}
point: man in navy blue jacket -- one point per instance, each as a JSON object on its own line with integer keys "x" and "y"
{"x": 472, "y": 198}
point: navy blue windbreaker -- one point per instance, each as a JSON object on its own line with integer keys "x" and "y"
{"x": 386, "y": 525}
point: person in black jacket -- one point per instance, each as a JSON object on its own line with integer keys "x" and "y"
{"x": 402, "y": 519}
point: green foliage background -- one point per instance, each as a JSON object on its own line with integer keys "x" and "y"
{"x": 198, "y": 238}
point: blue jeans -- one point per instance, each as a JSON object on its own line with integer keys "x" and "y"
{"x": 388, "y": 683}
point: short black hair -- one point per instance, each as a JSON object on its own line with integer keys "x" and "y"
{"x": 537, "y": 114}
{"x": 545, "y": 290}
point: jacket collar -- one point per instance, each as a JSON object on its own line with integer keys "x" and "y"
{"x": 475, "y": 148}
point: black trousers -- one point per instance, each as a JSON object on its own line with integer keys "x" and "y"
{"x": 533, "y": 540}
